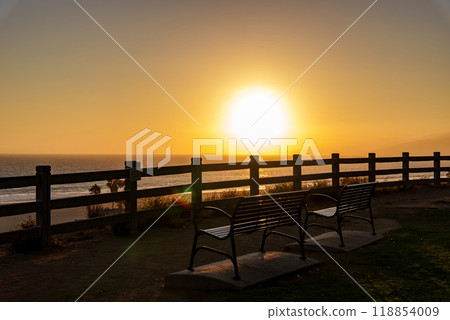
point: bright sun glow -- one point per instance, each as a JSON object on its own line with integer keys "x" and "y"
{"x": 250, "y": 105}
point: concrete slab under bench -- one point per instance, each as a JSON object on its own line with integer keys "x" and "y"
{"x": 330, "y": 241}
{"x": 254, "y": 268}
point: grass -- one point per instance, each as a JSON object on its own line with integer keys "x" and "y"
{"x": 409, "y": 264}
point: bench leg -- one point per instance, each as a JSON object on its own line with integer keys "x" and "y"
{"x": 305, "y": 225}
{"x": 234, "y": 259}
{"x": 371, "y": 221}
{"x": 303, "y": 234}
{"x": 194, "y": 251}
{"x": 263, "y": 241}
{"x": 339, "y": 231}
{"x": 302, "y": 242}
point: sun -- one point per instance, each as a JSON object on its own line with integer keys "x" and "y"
{"x": 257, "y": 113}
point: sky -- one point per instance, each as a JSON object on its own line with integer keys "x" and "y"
{"x": 66, "y": 87}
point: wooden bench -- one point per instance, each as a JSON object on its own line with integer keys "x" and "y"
{"x": 352, "y": 198}
{"x": 254, "y": 213}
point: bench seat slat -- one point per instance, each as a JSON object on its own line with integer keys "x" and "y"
{"x": 327, "y": 212}
{"x": 261, "y": 212}
{"x": 350, "y": 196}
{"x": 250, "y": 227}
{"x": 267, "y": 211}
{"x": 354, "y": 195}
{"x": 270, "y": 198}
{"x": 267, "y": 220}
{"x": 219, "y": 232}
{"x": 345, "y": 207}
{"x": 269, "y": 204}
{"x": 279, "y": 216}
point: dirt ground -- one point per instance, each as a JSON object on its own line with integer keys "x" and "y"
{"x": 64, "y": 273}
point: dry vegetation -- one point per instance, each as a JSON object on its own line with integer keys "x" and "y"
{"x": 27, "y": 223}
{"x": 166, "y": 201}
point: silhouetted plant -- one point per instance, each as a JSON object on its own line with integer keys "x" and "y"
{"x": 27, "y": 223}
{"x": 95, "y": 189}
{"x": 114, "y": 185}
{"x": 26, "y": 245}
{"x": 95, "y": 210}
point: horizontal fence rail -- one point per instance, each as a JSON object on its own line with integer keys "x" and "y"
{"x": 43, "y": 180}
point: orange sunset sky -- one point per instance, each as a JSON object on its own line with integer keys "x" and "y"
{"x": 66, "y": 87}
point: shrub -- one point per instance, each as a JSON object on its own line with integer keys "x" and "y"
{"x": 95, "y": 210}
{"x": 95, "y": 189}
{"x": 160, "y": 202}
{"x": 26, "y": 245}
{"x": 114, "y": 185}
{"x": 174, "y": 218}
{"x": 27, "y": 223}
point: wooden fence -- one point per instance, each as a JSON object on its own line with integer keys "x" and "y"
{"x": 43, "y": 180}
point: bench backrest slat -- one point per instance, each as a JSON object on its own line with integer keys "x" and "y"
{"x": 261, "y": 212}
{"x": 355, "y": 197}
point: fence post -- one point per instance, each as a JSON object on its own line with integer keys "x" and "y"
{"x": 372, "y": 167}
{"x": 254, "y": 175}
{"x": 405, "y": 168}
{"x": 131, "y": 187}
{"x": 297, "y": 172}
{"x": 335, "y": 170}
{"x": 437, "y": 168}
{"x": 43, "y": 195}
{"x": 196, "y": 190}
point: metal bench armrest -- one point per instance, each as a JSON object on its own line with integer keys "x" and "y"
{"x": 212, "y": 209}
{"x": 318, "y": 195}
